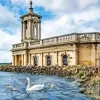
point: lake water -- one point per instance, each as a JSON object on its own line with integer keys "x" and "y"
{"x": 64, "y": 89}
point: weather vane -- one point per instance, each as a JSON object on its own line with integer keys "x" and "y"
{"x": 31, "y": 9}
{"x": 31, "y": 3}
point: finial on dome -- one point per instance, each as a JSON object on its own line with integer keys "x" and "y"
{"x": 31, "y": 9}
{"x": 31, "y": 4}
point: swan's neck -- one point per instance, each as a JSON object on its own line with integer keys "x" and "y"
{"x": 28, "y": 85}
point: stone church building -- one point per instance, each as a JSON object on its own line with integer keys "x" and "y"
{"x": 68, "y": 49}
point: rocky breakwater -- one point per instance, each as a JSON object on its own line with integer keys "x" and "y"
{"x": 89, "y": 79}
{"x": 49, "y": 70}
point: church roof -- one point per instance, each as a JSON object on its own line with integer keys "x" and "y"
{"x": 32, "y": 13}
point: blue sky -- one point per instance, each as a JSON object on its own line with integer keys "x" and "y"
{"x": 58, "y": 17}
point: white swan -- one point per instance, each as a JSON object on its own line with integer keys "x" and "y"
{"x": 34, "y": 87}
{"x": 12, "y": 88}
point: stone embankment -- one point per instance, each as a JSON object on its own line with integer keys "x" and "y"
{"x": 49, "y": 70}
{"x": 87, "y": 77}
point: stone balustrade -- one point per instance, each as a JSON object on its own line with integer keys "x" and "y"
{"x": 67, "y": 38}
{"x": 74, "y": 37}
{"x": 49, "y": 41}
{"x": 19, "y": 46}
{"x": 33, "y": 44}
{"x": 98, "y": 37}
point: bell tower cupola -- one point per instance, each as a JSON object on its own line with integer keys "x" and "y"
{"x": 31, "y": 26}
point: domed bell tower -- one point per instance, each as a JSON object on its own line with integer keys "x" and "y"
{"x": 31, "y": 26}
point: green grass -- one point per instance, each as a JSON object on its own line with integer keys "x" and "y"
{"x": 80, "y": 74}
{"x": 5, "y": 64}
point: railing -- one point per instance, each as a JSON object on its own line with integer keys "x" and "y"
{"x": 20, "y": 46}
{"x": 97, "y": 37}
{"x": 49, "y": 41}
{"x": 84, "y": 37}
{"x": 33, "y": 44}
{"x": 67, "y": 38}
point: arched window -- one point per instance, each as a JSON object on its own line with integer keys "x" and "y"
{"x": 65, "y": 60}
{"x": 48, "y": 60}
{"x": 35, "y": 61}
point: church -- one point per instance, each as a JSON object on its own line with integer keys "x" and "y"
{"x": 63, "y": 50}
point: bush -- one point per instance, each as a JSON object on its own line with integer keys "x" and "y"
{"x": 98, "y": 81}
{"x": 80, "y": 74}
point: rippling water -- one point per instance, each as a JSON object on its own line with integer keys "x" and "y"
{"x": 64, "y": 90}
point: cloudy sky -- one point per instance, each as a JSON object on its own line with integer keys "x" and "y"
{"x": 59, "y": 17}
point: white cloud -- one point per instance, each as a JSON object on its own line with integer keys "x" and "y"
{"x": 5, "y": 57}
{"x": 65, "y": 6}
{"x": 8, "y": 24}
{"x": 57, "y": 6}
{"x": 87, "y": 3}
{"x": 62, "y": 25}
{"x": 6, "y": 41}
{"x": 91, "y": 14}
{"x": 85, "y": 21}
{"x": 7, "y": 18}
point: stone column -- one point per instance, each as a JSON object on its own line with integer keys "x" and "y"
{"x": 25, "y": 59}
{"x": 13, "y": 60}
{"x": 57, "y": 57}
{"x": 22, "y": 32}
{"x": 29, "y": 58}
{"x": 22, "y": 59}
{"x": 37, "y": 30}
{"x": 30, "y": 28}
{"x": 40, "y": 30}
{"x": 42, "y": 59}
